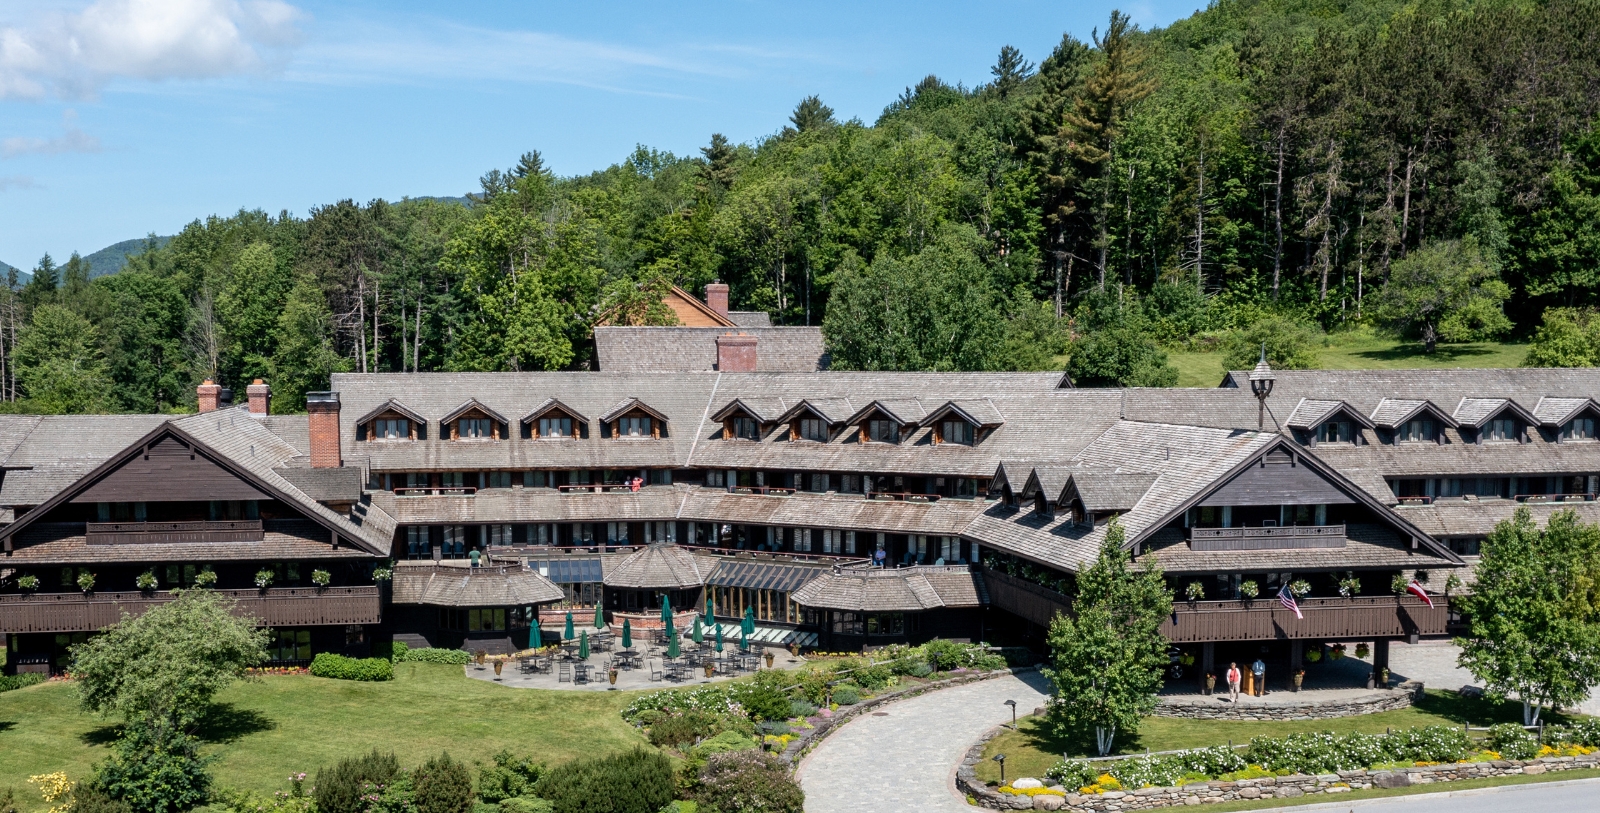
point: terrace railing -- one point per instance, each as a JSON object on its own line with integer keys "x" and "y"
{"x": 273, "y": 607}
{"x": 1268, "y": 538}
{"x": 141, "y": 533}
{"x": 1334, "y": 618}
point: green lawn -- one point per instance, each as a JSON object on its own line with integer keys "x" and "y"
{"x": 1030, "y": 751}
{"x": 1364, "y": 350}
{"x": 269, "y": 728}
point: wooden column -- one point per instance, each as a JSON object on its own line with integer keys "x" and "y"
{"x": 1208, "y": 663}
{"x": 1380, "y": 657}
{"x": 1297, "y": 652}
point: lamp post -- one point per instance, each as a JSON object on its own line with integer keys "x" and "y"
{"x": 1001, "y": 758}
{"x": 1013, "y": 705}
{"x": 1261, "y": 379}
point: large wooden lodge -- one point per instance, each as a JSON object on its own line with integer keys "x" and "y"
{"x": 847, "y": 509}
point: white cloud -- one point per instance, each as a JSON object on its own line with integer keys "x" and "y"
{"x": 71, "y": 139}
{"x": 73, "y": 55}
{"x": 16, "y": 182}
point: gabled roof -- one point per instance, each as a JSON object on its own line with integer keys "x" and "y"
{"x": 628, "y": 405}
{"x": 471, "y": 404}
{"x": 1101, "y": 491}
{"x": 1392, "y": 412}
{"x": 549, "y": 405}
{"x": 685, "y": 306}
{"x": 392, "y": 405}
{"x": 1557, "y": 411}
{"x": 765, "y": 410}
{"x": 833, "y": 410}
{"x": 660, "y": 566}
{"x": 974, "y": 411}
{"x": 494, "y": 585}
{"x": 904, "y": 411}
{"x": 1476, "y": 412}
{"x": 1309, "y": 413}
{"x": 911, "y": 589}
{"x": 1046, "y": 480}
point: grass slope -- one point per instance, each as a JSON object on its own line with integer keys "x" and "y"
{"x": 264, "y": 730}
{"x": 1364, "y": 350}
{"x": 1030, "y": 750}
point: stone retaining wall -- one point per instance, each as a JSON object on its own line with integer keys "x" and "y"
{"x": 1199, "y": 707}
{"x": 822, "y": 729}
{"x": 1278, "y": 787}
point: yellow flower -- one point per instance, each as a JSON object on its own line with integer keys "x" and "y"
{"x": 53, "y": 787}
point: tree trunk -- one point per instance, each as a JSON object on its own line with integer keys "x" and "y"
{"x": 1430, "y": 338}
{"x": 1405, "y": 212}
{"x": 1103, "y": 736}
{"x": 1056, "y": 255}
{"x": 416, "y": 341}
{"x": 1200, "y": 224}
{"x": 1277, "y": 216}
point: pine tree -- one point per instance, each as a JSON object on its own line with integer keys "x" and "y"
{"x": 719, "y": 169}
{"x": 811, "y": 114}
{"x": 1010, "y": 71}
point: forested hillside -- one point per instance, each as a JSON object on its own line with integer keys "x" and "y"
{"x": 1260, "y": 172}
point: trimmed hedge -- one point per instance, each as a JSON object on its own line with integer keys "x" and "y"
{"x": 639, "y": 781}
{"x": 22, "y": 681}
{"x": 458, "y": 657}
{"x": 338, "y": 667}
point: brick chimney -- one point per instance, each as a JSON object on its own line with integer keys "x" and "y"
{"x": 322, "y": 410}
{"x": 260, "y": 396}
{"x": 717, "y": 297}
{"x": 736, "y": 354}
{"x": 209, "y": 394}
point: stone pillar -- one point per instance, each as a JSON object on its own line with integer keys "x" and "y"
{"x": 322, "y": 410}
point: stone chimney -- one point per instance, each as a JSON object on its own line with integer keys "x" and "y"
{"x": 717, "y": 297}
{"x": 736, "y": 354}
{"x": 260, "y": 396}
{"x": 209, "y": 394}
{"x": 322, "y": 410}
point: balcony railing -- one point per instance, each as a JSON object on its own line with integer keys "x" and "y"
{"x": 442, "y": 491}
{"x": 274, "y": 607}
{"x": 1266, "y": 619}
{"x": 139, "y": 533}
{"x": 1539, "y": 498}
{"x": 903, "y": 496}
{"x": 1268, "y": 538}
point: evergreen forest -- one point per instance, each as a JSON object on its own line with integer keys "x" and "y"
{"x": 1261, "y": 172}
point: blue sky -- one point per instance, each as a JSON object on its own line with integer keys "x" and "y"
{"x": 123, "y": 117}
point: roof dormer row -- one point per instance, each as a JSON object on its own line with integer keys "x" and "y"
{"x": 476, "y": 421}
{"x": 963, "y": 422}
{"x": 1401, "y": 420}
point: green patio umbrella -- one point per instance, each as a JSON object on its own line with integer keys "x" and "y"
{"x": 744, "y": 641}
{"x": 583, "y": 646}
{"x": 699, "y": 632}
{"x": 667, "y": 632}
{"x": 569, "y": 635}
{"x": 672, "y": 645}
{"x": 599, "y": 616}
{"x": 536, "y": 634}
{"x": 666, "y": 610}
{"x": 748, "y": 625}
{"x": 719, "y": 638}
{"x": 709, "y": 614}
{"x": 627, "y": 634}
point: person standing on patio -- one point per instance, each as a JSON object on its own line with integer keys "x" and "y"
{"x": 1259, "y": 669}
{"x": 1233, "y": 681}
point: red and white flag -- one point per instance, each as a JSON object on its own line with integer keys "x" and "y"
{"x": 1415, "y": 589}
{"x": 1286, "y": 598}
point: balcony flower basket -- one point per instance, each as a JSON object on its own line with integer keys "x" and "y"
{"x": 1314, "y": 655}
{"x": 1399, "y": 583}
{"x": 206, "y": 577}
{"x": 86, "y": 582}
{"x": 146, "y": 581}
{"x": 1194, "y": 591}
{"x": 1336, "y": 652}
{"x": 321, "y": 578}
{"x": 1248, "y": 590}
{"x": 1300, "y": 588}
{"x": 382, "y": 574}
{"x": 1349, "y": 586}
{"x": 1361, "y": 651}
{"x": 263, "y": 579}
{"x": 28, "y": 583}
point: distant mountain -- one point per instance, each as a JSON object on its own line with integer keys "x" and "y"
{"x": 112, "y": 258}
{"x": 5, "y": 269}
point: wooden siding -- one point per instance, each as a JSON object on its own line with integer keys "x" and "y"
{"x": 1340, "y": 619}
{"x": 169, "y": 471}
{"x": 1278, "y": 538}
{"x": 1277, "y": 484}
{"x": 275, "y": 607}
{"x": 141, "y": 533}
{"x": 1024, "y": 599}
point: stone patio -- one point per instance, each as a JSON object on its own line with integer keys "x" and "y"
{"x": 627, "y": 679}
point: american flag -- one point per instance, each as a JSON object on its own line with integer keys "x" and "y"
{"x": 1286, "y": 598}
{"x": 1415, "y": 588}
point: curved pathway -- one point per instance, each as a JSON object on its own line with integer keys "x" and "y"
{"x": 906, "y": 759}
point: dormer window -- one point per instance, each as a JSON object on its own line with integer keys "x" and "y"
{"x": 955, "y": 431}
{"x": 1335, "y": 432}
{"x": 883, "y": 430}
{"x": 1501, "y": 430}
{"x": 814, "y": 429}
{"x": 744, "y": 428}
{"x": 391, "y": 429}
{"x": 634, "y": 426}
{"x": 474, "y": 429}
{"x": 1421, "y": 429}
{"x": 1578, "y": 429}
{"x": 555, "y": 428}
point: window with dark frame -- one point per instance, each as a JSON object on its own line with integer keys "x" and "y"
{"x": 883, "y": 430}
{"x": 391, "y": 429}
{"x": 1334, "y": 432}
{"x": 814, "y": 429}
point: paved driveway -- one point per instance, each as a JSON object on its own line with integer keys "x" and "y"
{"x": 906, "y": 759}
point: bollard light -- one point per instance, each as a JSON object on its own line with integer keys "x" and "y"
{"x": 1013, "y": 705}
{"x": 1001, "y": 758}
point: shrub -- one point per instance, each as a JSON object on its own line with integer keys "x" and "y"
{"x": 846, "y": 695}
{"x": 874, "y": 677}
{"x": 762, "y": 698}
{"x": 526, "y": 804}
{"x": 1585, "y": 732}
{"x": 1073, "y": 773}
{"x": 88, "y": 797}
{"x": 774, "y": 727}
{"x": 677, "y": 730}
{"x": 8, "y": 801}
{"x": 442, "y": 785}
{"x": 1512, "y": 741}
{"x": 803, "y": 708}
{"x": 639, "y": 781}
{"x": 154, "y": 771}
{"x": 749, "y": 782}
{"x": 508, "y": 777}
{"x": 716, "y": 699}
{"x": 1435, "y": 743}
{"x": 338, "y": 667}
{"x": 22, "y": 681}
{"x": 725, "y": 742}
{"x": 458, "y": 657}
{"x": 394, "y": 651}
{"x": 339, "y": 790}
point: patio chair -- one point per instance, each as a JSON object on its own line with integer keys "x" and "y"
{"x": 566, "y": 673}
{"x": 580, "y": 673}
{"x": 655, "y": 671}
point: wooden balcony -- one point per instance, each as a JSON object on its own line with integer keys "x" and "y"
{"x": 1266, "y": 619}
{"x": 1025, "y": 599}
{"x": 1269, "y": 538}
{"x": 275, "y": 607}
{"x": 140, "y": 533}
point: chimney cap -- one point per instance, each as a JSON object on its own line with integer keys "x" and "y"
{"x": 322, "y": 397}
{"x": 257, "y": 381}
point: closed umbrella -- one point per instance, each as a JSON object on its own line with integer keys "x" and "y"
{"x": 748, "y": 625}
{"x": 599, "y": 616}
{"x": 583, "y": 646}
{"x": 698, "y": 633}
{"x": 744, "y": 641}
{"x": 709, "y": 614}
{"x": 627, "y": 634}
{"x": 666, "y": 610}
{"x": 672, "y": 645}
{"x": 569, "y": 634}
{"x": 536, "y": 635}
{"x": 667, "y": 632}
{"x": 719, "y": 638}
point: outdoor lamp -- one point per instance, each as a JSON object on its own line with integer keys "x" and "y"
{"x": 1001, "y": 758}
{"x": 1013, "y": 705}
{"x": 1261, "y": 380}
